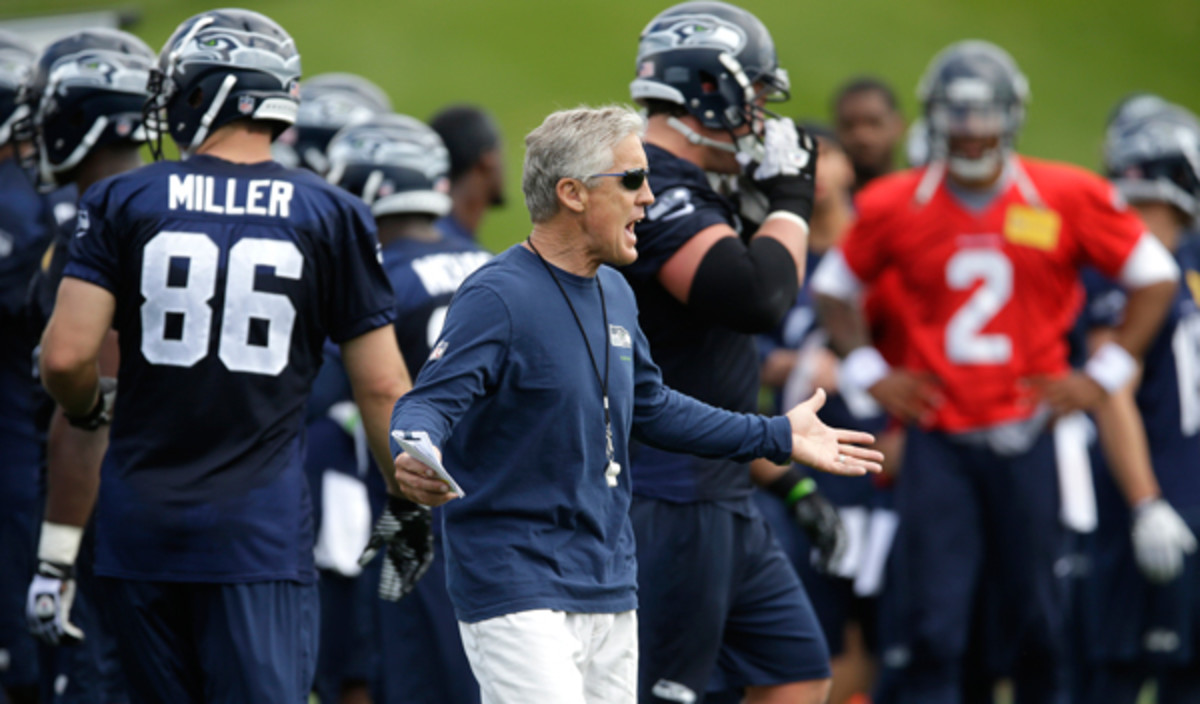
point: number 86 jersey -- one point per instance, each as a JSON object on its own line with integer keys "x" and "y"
{"x": 990, "y": 288}
{"x": 227, "y": 278}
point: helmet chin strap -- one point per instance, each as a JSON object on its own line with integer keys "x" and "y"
{"x": 747, "y": 148}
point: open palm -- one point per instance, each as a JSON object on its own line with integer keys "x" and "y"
{"x": 833, "y": 450}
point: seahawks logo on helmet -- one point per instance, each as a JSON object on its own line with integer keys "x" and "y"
{"x": 1155, "y": 156}
{"x": 395, "y": 163}
{"x": 699, "y": 31}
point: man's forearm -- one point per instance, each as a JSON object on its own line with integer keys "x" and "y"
{"x": 376, "y": 412}
{"x": 1144, "y": 313}
{"x": 73, "y": 459}
{"x": 844, "y": 322}
{"x": 1123, "y": 439}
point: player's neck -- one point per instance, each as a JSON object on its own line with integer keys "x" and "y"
{"x": 105, "y": 161}
{"x": 238, "y": 144}
{"x": 1163, "y": 221}
{"x": 665, "y": 137}
{"x": 830, "y": 221}
{"x": 469, "y": 203}
{"x": 562, "y": 247}
{"x": 419, "y": 228}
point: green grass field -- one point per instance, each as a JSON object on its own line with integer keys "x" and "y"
{"x": 525, "y": 58}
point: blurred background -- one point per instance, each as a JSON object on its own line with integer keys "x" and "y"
{"x": 522, "y": 59}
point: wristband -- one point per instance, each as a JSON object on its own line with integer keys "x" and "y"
{"x": 1111, "y": 366}
{"x": 59, "y": 543}
{"x": 862, "y": 369}
{"x": 792, "y": 486}
{"x": 92, "y": 419}
{"x": 789, "y": 216}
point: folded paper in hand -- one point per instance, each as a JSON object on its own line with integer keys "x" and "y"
{"x": 417, "y": 444}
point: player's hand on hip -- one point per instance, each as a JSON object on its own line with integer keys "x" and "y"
{"x": 833, "y": 450}
{"x": 405, "y": 535}
{"x": 1160, "y": 540}
{"x": 419, "y": 483}
{"x": 909, "y": 396}
{"x": 1072, "y": 392}
{"x": 48, "y": 605}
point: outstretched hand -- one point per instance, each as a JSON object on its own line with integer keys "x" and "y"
{"x": 832, "y": 450}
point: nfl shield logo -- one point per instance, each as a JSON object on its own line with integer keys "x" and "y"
{"x": 245, "y": 104}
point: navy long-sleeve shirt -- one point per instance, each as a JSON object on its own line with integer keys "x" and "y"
{"x": 510, "y": 396}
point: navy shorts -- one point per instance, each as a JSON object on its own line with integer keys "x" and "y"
{"x": 19, "y": 518}
{"x": 719, "y": 605}
{"x": 974, "y": 561}
{"x": 423, "y": 657}
{"x": 349, "y": 656}
{"x": 193, "y": 642}
{"x": 1127, "y": 618}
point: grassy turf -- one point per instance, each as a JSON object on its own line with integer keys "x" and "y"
{"x": 525, "y": 58}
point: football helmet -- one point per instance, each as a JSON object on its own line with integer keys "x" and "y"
{"x": 86, "y": 90}
{"x": 973, "y": 88}
{"x": 715, "y": 60}
{"x": 1155, "y": 156}
{"x": 16, "y": 62}
{"x": 395, "y": 163}
{"x": 328, "y": 102}
{"x": 221, "y": 66}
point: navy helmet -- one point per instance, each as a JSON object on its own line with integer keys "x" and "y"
{"x": 395, "y": 163}
{"x": 973, "y": 88}
{"x": 87, "y": 90}
{"x": 221, "y": 66}
{"x": 16, "y": 62}
{"x": 716, "y": 61}
{"x": 328, "y": 103}
{"x": 1154, "y": 155}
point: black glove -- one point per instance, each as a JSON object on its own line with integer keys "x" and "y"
{"x": 101, "y": 413}
{"x": 787, "y": 174}
{"x": 405, "y": 533}
{"x": 817, "y": 517}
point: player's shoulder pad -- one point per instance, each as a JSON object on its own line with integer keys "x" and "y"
{"x": 1060, "y": 183}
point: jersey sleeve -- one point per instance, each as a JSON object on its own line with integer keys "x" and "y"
{"x": 361, "y": 297}
{"x": 94, "y": 252}
{"x": 669, "y": 420}
{"x": 466, "y": 362}
{"x": 678, "y": 213}
{"x": 1106, "y": 228}
{"x": 865, "y": 248}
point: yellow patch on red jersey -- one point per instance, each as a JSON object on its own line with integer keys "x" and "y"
{"x": 1032, "y": 227}
{"x": 1193, "y": 282}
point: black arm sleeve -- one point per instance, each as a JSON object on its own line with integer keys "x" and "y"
{"x": 747, "y": 288}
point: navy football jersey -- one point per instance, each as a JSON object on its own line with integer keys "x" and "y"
{"x": 424, "y": 276}
{"x": 1169, "y": 394}
{"x": 228, "y": 278}
{"x": 703, "y": 360}
{"x": 27, "y": 225}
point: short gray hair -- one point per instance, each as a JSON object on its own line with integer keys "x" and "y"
{"x": 572, "y": 144}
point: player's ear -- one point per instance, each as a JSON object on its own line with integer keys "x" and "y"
{"x": 572, "y": 194}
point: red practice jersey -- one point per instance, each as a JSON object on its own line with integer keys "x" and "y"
{"x": 989, "y": 296}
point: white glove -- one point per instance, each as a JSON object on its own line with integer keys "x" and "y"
{"x": 48, "y": 605}
{"x": 785, "y": 154}
{"x": 1160, "y": 540}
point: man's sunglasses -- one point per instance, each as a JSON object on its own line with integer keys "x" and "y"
{"x": 631, "y": 179}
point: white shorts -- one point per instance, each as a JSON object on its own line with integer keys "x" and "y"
{"x": 554, "y": 657}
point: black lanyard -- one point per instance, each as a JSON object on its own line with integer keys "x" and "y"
{"x": 611, "y": 468}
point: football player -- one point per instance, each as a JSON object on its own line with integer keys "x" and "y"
{"x": 476, "y": 167}
{"x": 714, "y": 587}
{"x": 26, "y": 227}
{"x": 987, "y": 245}
{"x": 85, "y": 101}
{"x": 1142, "y": 595}
{"x": 224, "y": 273}
{"x": 328, "y": 102}
{"x": 400, "y": 168}
{"x": 869, "y": 125}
